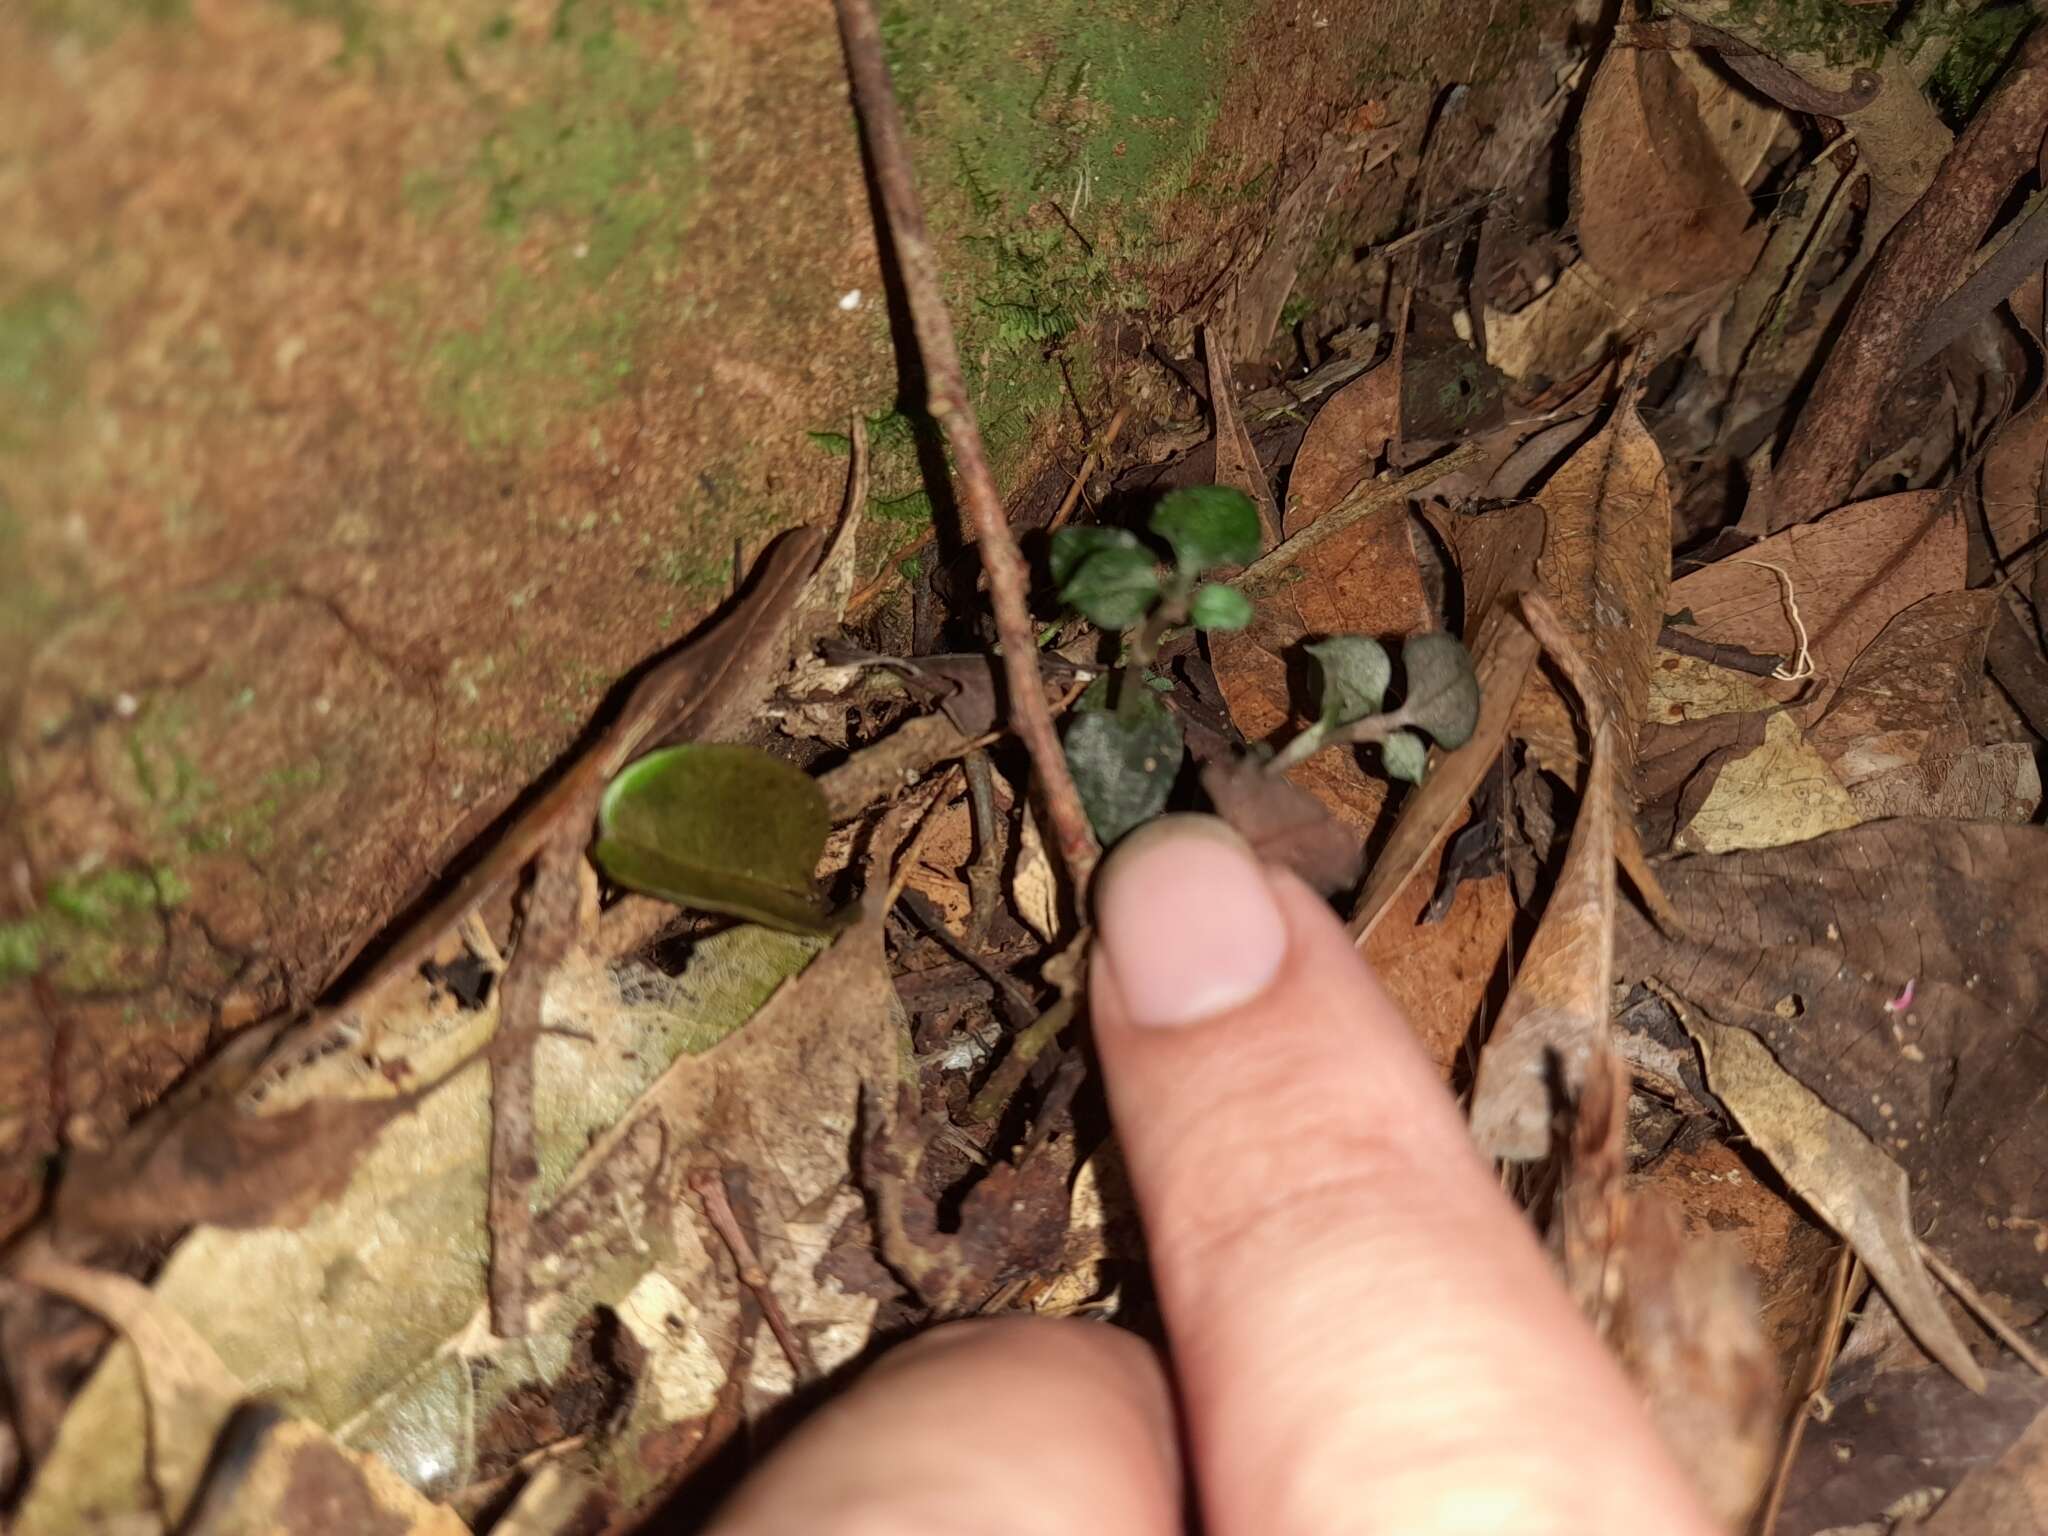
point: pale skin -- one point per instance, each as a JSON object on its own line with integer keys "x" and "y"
{"x": 1363, "y": 1335}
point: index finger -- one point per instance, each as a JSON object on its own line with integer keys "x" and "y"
{"x": 1365, "y": 1333}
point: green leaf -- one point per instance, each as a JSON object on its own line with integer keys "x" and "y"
{"x": 1124, "y": 763}
{"x": 721, "y": 829}
{"x": 1113, "y": 587}
{"x": 1355, "y": 671}
{"x": 1071, "y": 546}
{"x": 1219, "y": 607}
{"x": 1405, "y": 755}
{"x": 1208, "y": 526}
{"x": 1443, "y": 690}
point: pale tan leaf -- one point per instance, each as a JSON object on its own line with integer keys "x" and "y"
{"x": 1841, "y": 1173}
{"x": 1740, "y": 125}
{"x": 1034, "y": 884}
{"x": 1781, "y": 792}
{"x": 175, "y": 1383}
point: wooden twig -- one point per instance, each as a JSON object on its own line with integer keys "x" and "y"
{"x": 545, "y": 935}
{"x": 1839, "y": 1296}
{"x": 709, "y": 1187}
{"x": 1366, "y": 499}
{"x": 1733, "y": 657}
{"x": 1921, "y": 260}
{"x": 1982, "y": 1310}
{"x": 1104, "y": 441}
{"x": 985, "y": 874}
{"x": 2023, "y": 250}
{"x": 947, "y": 401}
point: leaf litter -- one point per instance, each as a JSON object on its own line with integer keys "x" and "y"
{"x": 1523, "y": 539}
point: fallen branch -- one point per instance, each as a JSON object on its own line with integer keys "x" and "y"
{"x": 1921, "y": 260}
{"x": 889, "y": 157}
{"x": 2024, "y": 250}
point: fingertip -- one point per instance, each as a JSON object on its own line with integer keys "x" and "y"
{"x": 1187, "y": 922}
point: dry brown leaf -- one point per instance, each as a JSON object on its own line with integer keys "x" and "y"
{"x": 1574, "y": 324}
{"x": 1701, "y": 719}
{"x": 1999, "y": 781}
{"x": 1902, "y": 715}
{"x": 279, "y": 1476}
{"x": 1284, "y": 823}
{"x": 1552, "y": 1033}
{"x": 177, "y": 1378}
{"x": 1841, "y": 1173}
{"x": 1781, "y": 792}
{"x": 2010, "y": 1495}
{"x": 1687, "y": 1328}
{"x": 1851, "y": 572}
{"x": 1440, "y": 973}
{"x": 1898, "y": 1433}
{"x": 1654, "y": 203}
{"x": 1893, "y": 968}
{"x": 1606, "y": 563}
{"x": 1366, "y": 580}
{"x": 1740, "y": 125}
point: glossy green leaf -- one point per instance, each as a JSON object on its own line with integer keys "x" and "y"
{"x": 1405, "y": 755}
{"x": 1354, "y": 672}
{"x": 1442, "y": 689}
{"x": 1124, "y": 763}
{"x": 1207, "y": 526}
{"x": 1113, "y": 587}
{"x": 1219, "y": 607}
{"x": 1071, "y": 546}
{"x": 721, "y": 829}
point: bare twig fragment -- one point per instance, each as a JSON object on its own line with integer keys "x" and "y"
{"x": 882, "y": 125}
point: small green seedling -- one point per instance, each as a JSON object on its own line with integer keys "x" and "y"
{"x": 1354, "y": 671}
{"x": 1125, "y": 747}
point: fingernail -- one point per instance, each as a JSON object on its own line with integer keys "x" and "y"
{"x": 1187, "y": 921}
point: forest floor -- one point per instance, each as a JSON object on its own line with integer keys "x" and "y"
{"x": 1584, "y": 517}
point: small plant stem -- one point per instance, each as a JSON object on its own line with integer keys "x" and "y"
{"x": 1168, "y": 614}
{"x": 1030, "y": 1043}
{"x": 882, "y": 124}
{"x": 1357, "y": 733}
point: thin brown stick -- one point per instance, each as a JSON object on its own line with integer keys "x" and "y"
{"x": 1365, "y": 500}
{"x": 709, "y": 1187}
{"x": 1104, "y": 441}
{"x": 947, "y": 401}
{"x": 545, "y": 936}
{"x": 1981, "y": 1309}
{"x": 1846, "y": 1268}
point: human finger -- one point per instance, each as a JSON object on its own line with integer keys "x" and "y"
{"x": 1004, "y": 1427}
{"x": 1363, "y": 1329}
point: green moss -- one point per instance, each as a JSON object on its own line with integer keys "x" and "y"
{"x": 1977, "y": 50}
{"x": 97, "y": 21}
{"x": 21, "y": 949}
{"x": 587, "y": 180}
{"x": 1048, "y": 135}
{"x": 44, "y": 333}
{"x": 1837, "y": 31}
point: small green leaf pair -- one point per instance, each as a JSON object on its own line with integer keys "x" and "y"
{"x": 1353, "y": 673}
{"x": 1113, "y": 579}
